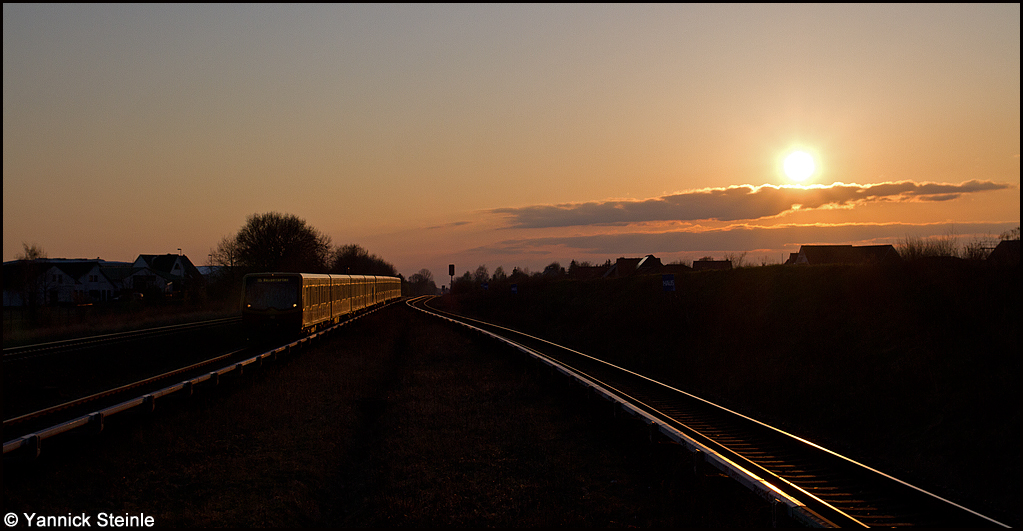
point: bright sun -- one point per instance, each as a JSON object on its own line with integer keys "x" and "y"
{"x": 799, "y": 166}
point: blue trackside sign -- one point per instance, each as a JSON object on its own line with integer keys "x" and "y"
{"x": 668, "y": 282}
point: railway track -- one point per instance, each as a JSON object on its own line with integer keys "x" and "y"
{"x": 38, "y": 377}
{"x": 27, "y": 431}
{"x": 817, "y": 486}
{"x": 26, "y": 423}
{"x": 58, "y": 387}
{"x": 56, "y": 347}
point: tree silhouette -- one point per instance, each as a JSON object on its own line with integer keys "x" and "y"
{"x": 280, "y": 242}
{"x": 352, "y": 259}
{"x": 481, "y": 275}
{"x": 31, "y": 252}
{"x": 31, "y": 281}
{"x": 226, "y": 254}
{"x": 422, "y": 283}
{"x": 554, "y": 269}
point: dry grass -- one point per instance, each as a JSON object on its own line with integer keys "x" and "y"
{"x": 947, "y": 245}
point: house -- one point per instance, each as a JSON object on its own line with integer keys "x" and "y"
{"x": 83, "y": 281}
{"x": 58, "y": 281}
{"x": 648, "y": 265}
{"x": 583, "y": 272}
{"x": 623, "y": 267}
{"x": 706, "y": 265}
{"x": 22, "y": 279}
{"x": 142, "y": 280}
{"x": 844, "y": 254}
{"x": 176, "y": 266}
{"x": 675, "y": 269}
{"x": 170, "y": 274}
{"x": 1006, "y": 254}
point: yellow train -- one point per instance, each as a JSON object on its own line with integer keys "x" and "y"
{"x": 295, "y": 303}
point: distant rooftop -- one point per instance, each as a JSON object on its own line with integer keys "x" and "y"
{"x": 843, "y": 254}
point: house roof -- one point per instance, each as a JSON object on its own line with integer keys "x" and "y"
{"x": 1006, "y": 253}
{"x": 846, "y": 254}
{"x": 16, "y": 271}
{"x": 650, "y": 262}
{"x": 578, "y": 271}
{"x": 76, "y": 270}
{"x": 117, "y": 273}
{"x": 628, "y": 266}
{"x": 163, "y": 264}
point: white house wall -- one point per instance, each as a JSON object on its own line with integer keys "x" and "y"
{"x": 97, "y": 286}
{"x": 56, "y": 282}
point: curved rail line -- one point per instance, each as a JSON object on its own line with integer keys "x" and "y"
{"x": 39, "y": 349}
{"x": 818, "y": 486}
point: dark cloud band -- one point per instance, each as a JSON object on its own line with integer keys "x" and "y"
{"x": 735, "y": 203}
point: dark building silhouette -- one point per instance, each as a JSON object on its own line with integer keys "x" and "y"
{"x": 1006, "y": 254}
{"x": 624, "y": 267}
{"x": 843, "y": 254}
{"x": 48, "y": 281}
{"x": 706, "y": 265}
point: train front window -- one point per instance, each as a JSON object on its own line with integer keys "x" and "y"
{"x": 279, "y": 293}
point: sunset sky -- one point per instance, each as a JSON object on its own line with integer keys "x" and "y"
{"x": 508, "y": 135}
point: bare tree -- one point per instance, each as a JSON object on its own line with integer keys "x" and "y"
{"x": 226, "y": 274}
{"x": 226, "y": 253}
{"x": 462, "y": 284}
{"x": 31, "y": 282}
{"x": 481, "y": 275}
{"x": 31, "y": 252}
{"x": 424, "y": 275}
{"x": 738, "y": 259}
{"x": 352, "y": 259}
{"x": 281, "y": 242}
{"x": 499, "y": 275}
{"x": 422, "y": 283}
{"x": 554, "y": 269}
{"x": 519, "y": 274}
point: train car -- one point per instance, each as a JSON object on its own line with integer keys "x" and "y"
{"x": 295, "y": 303}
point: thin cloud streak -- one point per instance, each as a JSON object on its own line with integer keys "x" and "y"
{"x": 449, "y": 225}
{"x": 736, "y": 203}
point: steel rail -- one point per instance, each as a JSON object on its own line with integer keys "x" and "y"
{"x": 713, "y": 453}
{"x": 95, "y": 419}
{"x": 110, "y": 392}
{"x": 745, "y": 472}
{"x": 24, "y": 351}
